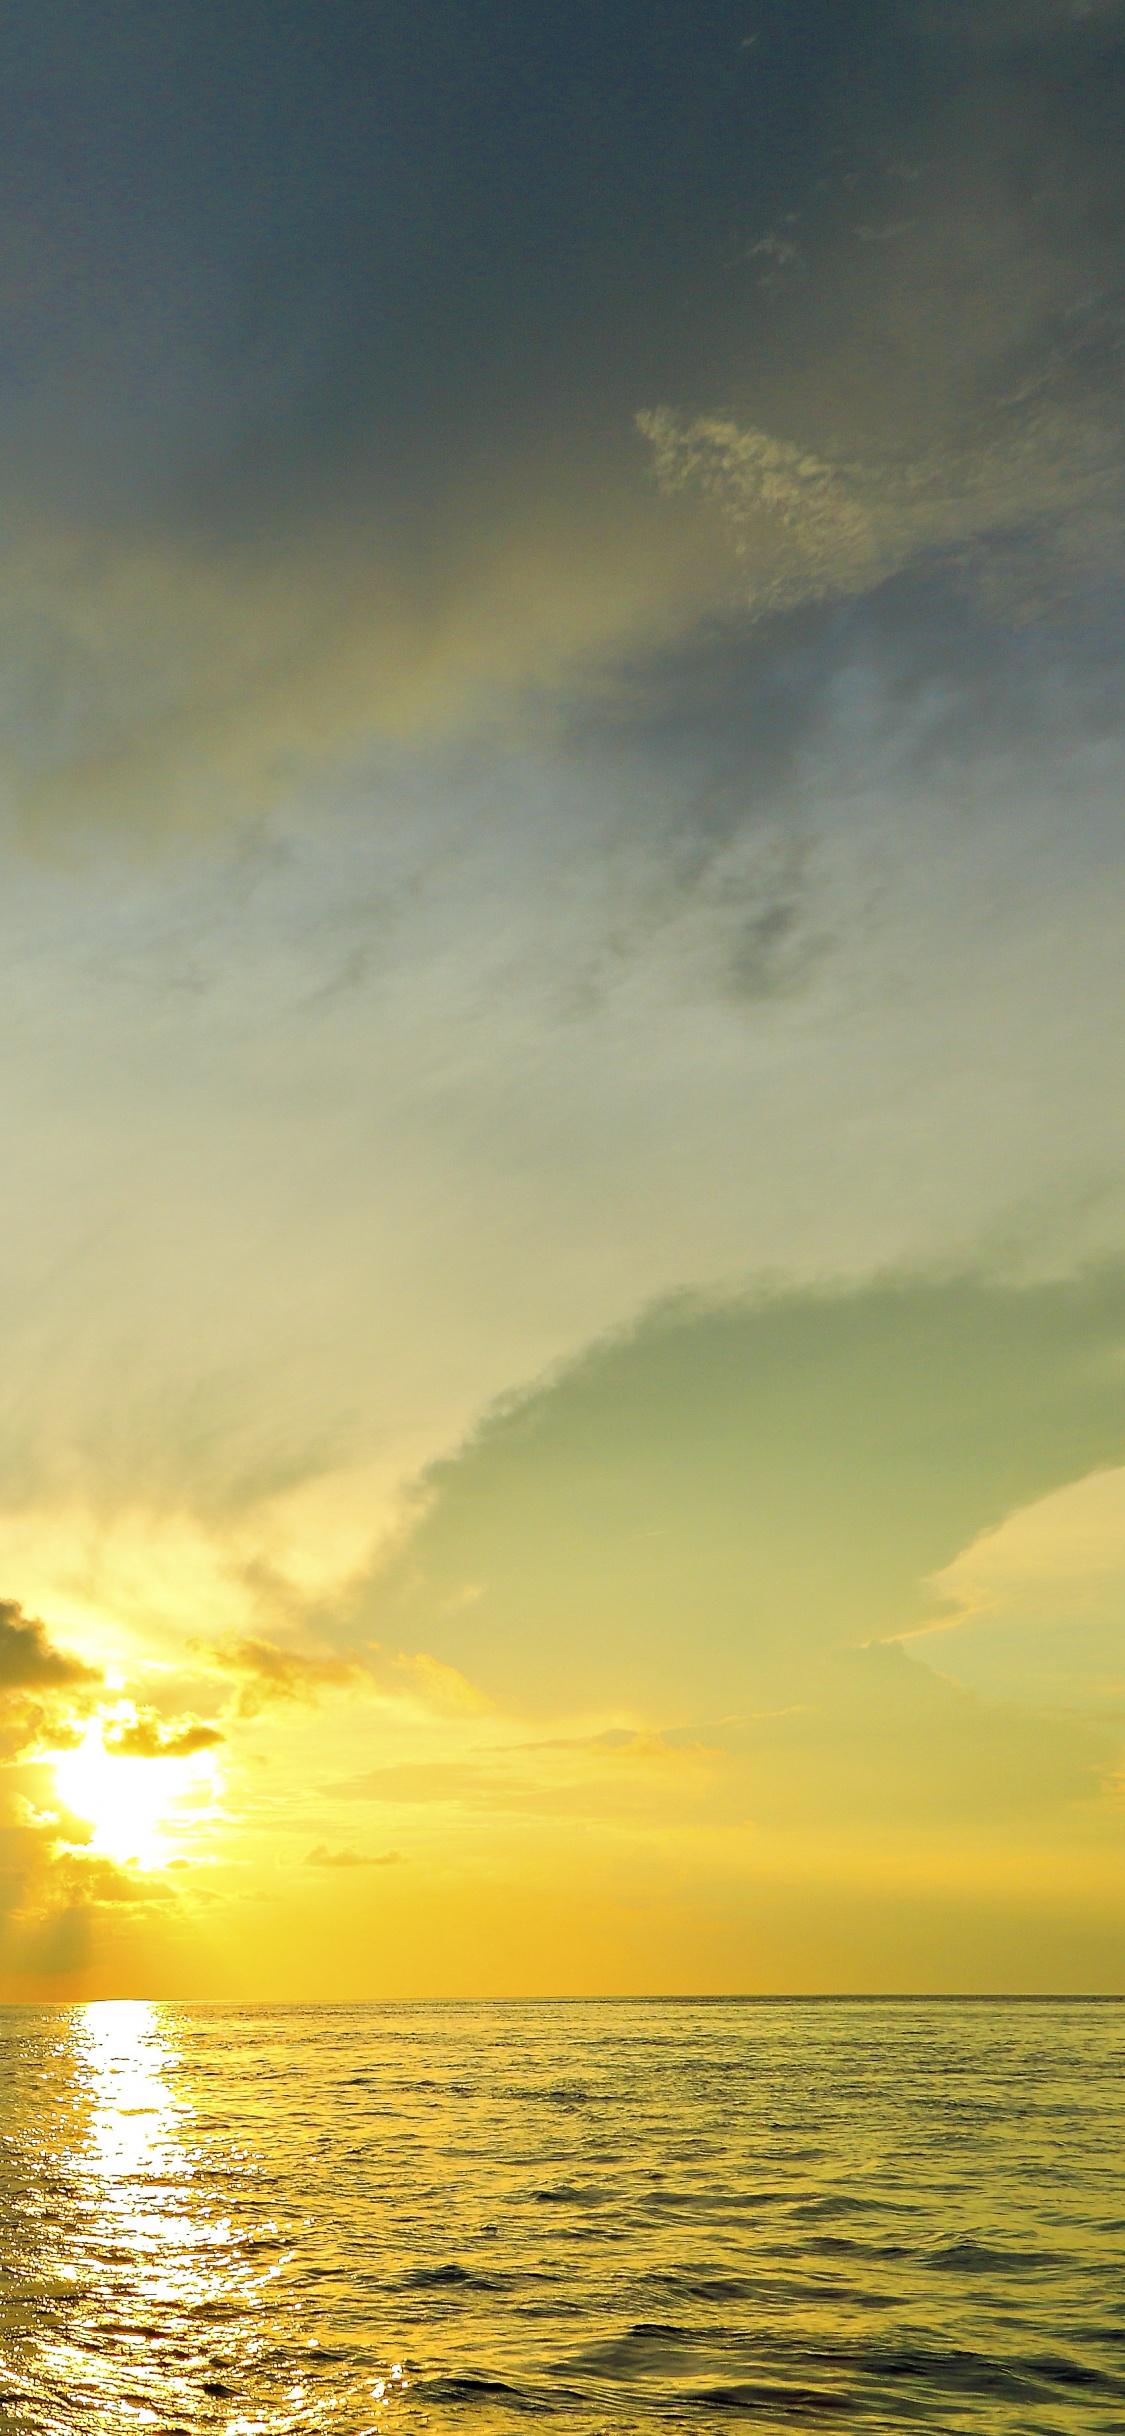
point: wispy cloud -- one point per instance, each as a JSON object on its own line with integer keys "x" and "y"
{"x": 809, "y": 528}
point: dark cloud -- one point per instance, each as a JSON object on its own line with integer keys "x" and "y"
{"x": 147, "y": 1738}
{"x": 29, "y": 1662}
{"x": 382, "y": 230}
{"x": 327, "y": 352}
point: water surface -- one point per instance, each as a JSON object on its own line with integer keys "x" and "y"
{"x": 609, "y": 2217}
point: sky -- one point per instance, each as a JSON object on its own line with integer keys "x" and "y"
{"x": 562, "y": 1269}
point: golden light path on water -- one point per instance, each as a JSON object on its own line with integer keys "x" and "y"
{"x": 183, "y": 2315}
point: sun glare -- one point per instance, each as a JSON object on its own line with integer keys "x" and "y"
{"x": 133, "y": 1805}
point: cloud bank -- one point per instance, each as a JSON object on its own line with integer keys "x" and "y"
{"x": 477, "y": 870}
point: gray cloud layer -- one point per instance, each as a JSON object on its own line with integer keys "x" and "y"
{"x": 327, "y": 353}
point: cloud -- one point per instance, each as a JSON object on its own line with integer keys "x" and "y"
{"x": 174, "y": 688}
{"x": 1034, "y": 1607}
{"x": 146, "y": 1737}
{"x": 91, "y": 1882}
{"x": 647, "y": 967}
{"x": 701, "y": 1507}
{"x": 342, "y": 536}
{"x": 937, "y": 336}
{"x": 439, "y": 1690}
{"x": 267, "y": 1675}
{"x": 719, "y": 1523}
{"x": 809, "y": 529}
{"x": 825, "y": 526}
{"x": 29, "y": 1662}
{"x": 321, "y": 1858}
{"x": 603, "y": 859}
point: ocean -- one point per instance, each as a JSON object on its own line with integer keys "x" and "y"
{"x": 605, "y": 2217}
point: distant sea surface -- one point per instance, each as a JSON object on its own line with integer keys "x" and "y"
{"x": 606, "y": 2217}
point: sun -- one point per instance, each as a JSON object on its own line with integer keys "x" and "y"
{"x": 132, "y": 1805}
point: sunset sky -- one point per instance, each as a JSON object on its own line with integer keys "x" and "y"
{"x": 563, "y": 981}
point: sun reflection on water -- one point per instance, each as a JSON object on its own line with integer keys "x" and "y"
{"x": 134, "y": 2115}
{"x": 177, "y": 2296}
{"x": 161, "y": 2260}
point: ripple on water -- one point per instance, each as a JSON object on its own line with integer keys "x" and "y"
{"x": 285, "y": 2222}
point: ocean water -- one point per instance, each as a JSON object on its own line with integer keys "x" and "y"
{"x": 601, "y": 2217}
